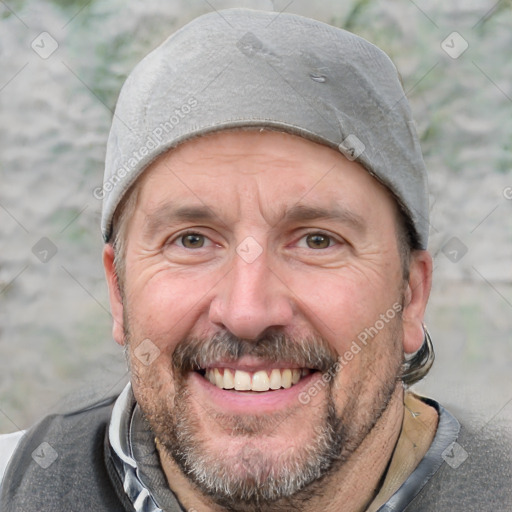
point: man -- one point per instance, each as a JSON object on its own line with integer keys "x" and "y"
{"x": 266, "y": 223}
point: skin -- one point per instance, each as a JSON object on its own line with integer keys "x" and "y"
{"x": 249, "y": 181}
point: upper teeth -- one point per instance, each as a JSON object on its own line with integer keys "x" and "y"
{"x": 261, "y": 380}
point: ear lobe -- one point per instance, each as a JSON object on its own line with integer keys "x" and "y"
{"x": 114, "y": 292}
{"x": 416, "y": 298}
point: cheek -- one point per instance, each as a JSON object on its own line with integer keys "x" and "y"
{"x": 360, "y": 320}
{"x": 165, "y": 306}
{"x": 342, "y": 305}
{"x": 153, "y": 386}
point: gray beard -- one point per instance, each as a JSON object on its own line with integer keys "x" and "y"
{"x": 254, "y": 480}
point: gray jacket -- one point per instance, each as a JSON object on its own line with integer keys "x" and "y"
{"x": 102, "y": 457}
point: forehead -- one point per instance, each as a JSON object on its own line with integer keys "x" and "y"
{"x": 273, "y": 171}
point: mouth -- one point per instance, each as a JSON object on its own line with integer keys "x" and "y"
{"x": 259, "y": 381}
{"x": 251, "y": 386}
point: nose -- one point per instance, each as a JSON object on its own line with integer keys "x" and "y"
{"x": 250, "y": 299}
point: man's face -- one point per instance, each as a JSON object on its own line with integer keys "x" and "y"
{"x": 256, "y": 258}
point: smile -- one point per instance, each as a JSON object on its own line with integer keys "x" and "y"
{"x": 258, "y": 381}
{"x": 250, "y": 385}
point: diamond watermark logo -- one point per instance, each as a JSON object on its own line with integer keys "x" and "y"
{"x": 249, "y": 44}
{"x": 454, "y": 455}
{"x": 45, "y": 455}
{"x": 454, "y": 249}
{"x": 44, "y": 45}
{"x": 249, "y": 250}
{"x": 352, "y": 147}
{"x": 44, "y": 250}
{"x": 454, "y": 45}
{"x": 147, "y": 352}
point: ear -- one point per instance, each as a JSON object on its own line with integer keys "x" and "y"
{"x": 416, "y": 297}
{"x": 114, "y": 292}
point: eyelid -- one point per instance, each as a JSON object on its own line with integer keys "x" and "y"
{"x": 334, "y": 240}
{"x": 177, "y": 236}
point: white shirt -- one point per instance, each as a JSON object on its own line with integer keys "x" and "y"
{"x": 8, "y": 443}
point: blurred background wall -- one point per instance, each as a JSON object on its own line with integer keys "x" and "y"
{"x": 62, "y": 63}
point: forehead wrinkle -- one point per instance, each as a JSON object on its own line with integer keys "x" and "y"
{"x": 233, "y": 161}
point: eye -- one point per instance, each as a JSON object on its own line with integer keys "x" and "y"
{"x": 192, "y": 240}
{"x": 318, "y": 241}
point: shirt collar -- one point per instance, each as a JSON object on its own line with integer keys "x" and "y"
{"x": 119, "y": 433}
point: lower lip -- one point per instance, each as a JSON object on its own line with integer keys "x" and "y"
{"x": 240, "y": 402}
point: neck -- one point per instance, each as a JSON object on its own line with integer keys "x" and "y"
{"x": 351, "y": 487}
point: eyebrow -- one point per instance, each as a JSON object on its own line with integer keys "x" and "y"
{"x": 302, "y": 213}
{"x": 169, "y": 214}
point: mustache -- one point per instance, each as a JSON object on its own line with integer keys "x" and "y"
{"x": 197, "y": 353}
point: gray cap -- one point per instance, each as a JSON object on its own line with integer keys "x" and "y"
{"x": 245, "y": 68}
